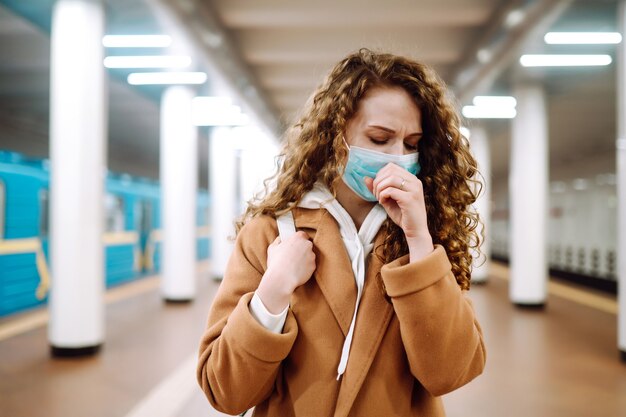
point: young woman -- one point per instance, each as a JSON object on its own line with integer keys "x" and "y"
{"x": 362, "y": 311}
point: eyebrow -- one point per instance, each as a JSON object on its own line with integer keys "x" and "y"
{"x": 386, "y": 129}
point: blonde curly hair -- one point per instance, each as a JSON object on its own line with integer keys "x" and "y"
{"x": 314, "y": 150}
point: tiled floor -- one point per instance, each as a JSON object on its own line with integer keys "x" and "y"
{"x": 562, "y": 361}
{"x": 558, "y": 362}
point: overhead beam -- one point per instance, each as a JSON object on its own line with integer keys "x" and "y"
{"x": 311, "y": 46}
{"x": 199, "y": 22}
{"x": 239, "y": 14}
{"x": 503, "y": 45}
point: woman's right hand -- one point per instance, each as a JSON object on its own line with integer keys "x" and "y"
{"x": 289, "y": 264}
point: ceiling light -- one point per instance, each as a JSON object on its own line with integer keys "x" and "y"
{"x": 222, "y": 119}
{"x": 558, "y": 187}
{"x": 580, "y": 184}
{"x": 217, "y": 111}
{"x": 483, "y": 55}
{"x": 491, "y": 107}
{"x": 136, "y": 41}
{"x": 485, "y": 112}
{"x": 209, "y": 104}
{"x": 214, "y": 40}
{"x": 165, "y": 61}
{"x": 564, "y": 60}
{"x": 153, "y": 78}
{"x": 494, "y": 101}
{"x": 582, "y": 38}
{"x": 514, "y": 18}
{"x": 611, "y": 179}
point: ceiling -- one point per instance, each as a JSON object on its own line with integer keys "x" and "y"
{"x": 290, "y": 45}
{"x": 275, "y": 52}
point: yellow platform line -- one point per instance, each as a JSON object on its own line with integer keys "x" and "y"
{"x": 25, "y": 322}
{"x": 600, "y": 302}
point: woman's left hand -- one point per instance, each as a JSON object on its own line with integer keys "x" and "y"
{"x": 402, "y": 196}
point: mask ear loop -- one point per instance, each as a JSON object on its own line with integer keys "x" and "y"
{"x": 343, "y": 138}
{"x": 345, "y": 143}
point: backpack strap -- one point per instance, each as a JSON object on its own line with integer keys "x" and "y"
{"x": 286, "y": 226}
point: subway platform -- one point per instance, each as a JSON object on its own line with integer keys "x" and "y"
{"x": 559, "y": 361}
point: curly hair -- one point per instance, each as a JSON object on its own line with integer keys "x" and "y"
{"x": 313, "y": 151}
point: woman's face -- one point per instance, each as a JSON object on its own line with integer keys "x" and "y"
{"x": 387, "y": 120}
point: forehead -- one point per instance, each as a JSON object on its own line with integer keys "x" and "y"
{"x": 391, "y": 107}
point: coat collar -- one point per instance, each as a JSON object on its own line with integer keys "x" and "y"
{"x": 333, "y": 271}
{"x": 334, "y": 276}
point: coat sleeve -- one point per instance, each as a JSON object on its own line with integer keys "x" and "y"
{"x": 443, "y": 341}
{"x": 239, "y": 359}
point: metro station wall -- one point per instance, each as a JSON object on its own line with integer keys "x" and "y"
{"x": 582, "y": 221}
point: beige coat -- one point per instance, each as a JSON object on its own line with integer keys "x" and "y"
{"x": 406, "y": 353}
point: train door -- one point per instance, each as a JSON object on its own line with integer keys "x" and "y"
{"x": 2, "y": 209}
{"x": 144, "y": 226}
{"x": 44, "y": 212}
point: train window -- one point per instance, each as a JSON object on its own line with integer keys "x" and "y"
{"x": 2, "y": 209}
{"x": 114, "y": 207}
{"x": 44, "y": 210}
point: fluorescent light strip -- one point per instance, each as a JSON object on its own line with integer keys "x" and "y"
{"x": 223, "y": 119}
{"x": 164, "y": 61}
{"x": 495, "y": 101}
{"x": 582, "y": 38}
{"x": 159, "y": 78}
{"x": 478, "y": 112}
{"x": 565, "y": 60}
{"x": 207, "y": 104}
{"x": 217, "y": 111}
{"x": 136, "y": 41}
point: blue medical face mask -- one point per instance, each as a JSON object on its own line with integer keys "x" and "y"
{"x": 366, "y": 163}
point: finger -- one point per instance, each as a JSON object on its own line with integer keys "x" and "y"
{"x": 391, "y": 181}
{"x": 403, "y": 184}
{"x": 391, "y": 193}
{"x": 388, "y": 170}
{"x": 369, "y": 183}
{"x": 380, "y": 176}
{"x": 301, "y": 235}
{"x": 276, "y": 241}
{"x": 392, "y": 169}
{"x": 382, "y": 183}
{"x": 299, "y": 238}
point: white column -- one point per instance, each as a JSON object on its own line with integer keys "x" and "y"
{"x": 179, "y": 178}
{"x": 258, "y": 155}
{"x": 480, "y": 147}
{"x": 78, "y": 122}
{"x": 223, "y": 197}
{"x": 621, "y": 184}
{"x": 528, "y": 191}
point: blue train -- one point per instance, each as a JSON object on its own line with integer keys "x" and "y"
{"x": 132, "y": 238}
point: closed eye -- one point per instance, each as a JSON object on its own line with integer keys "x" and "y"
{"x": 378, "y": 141}
{"x": 410, "y": 147}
